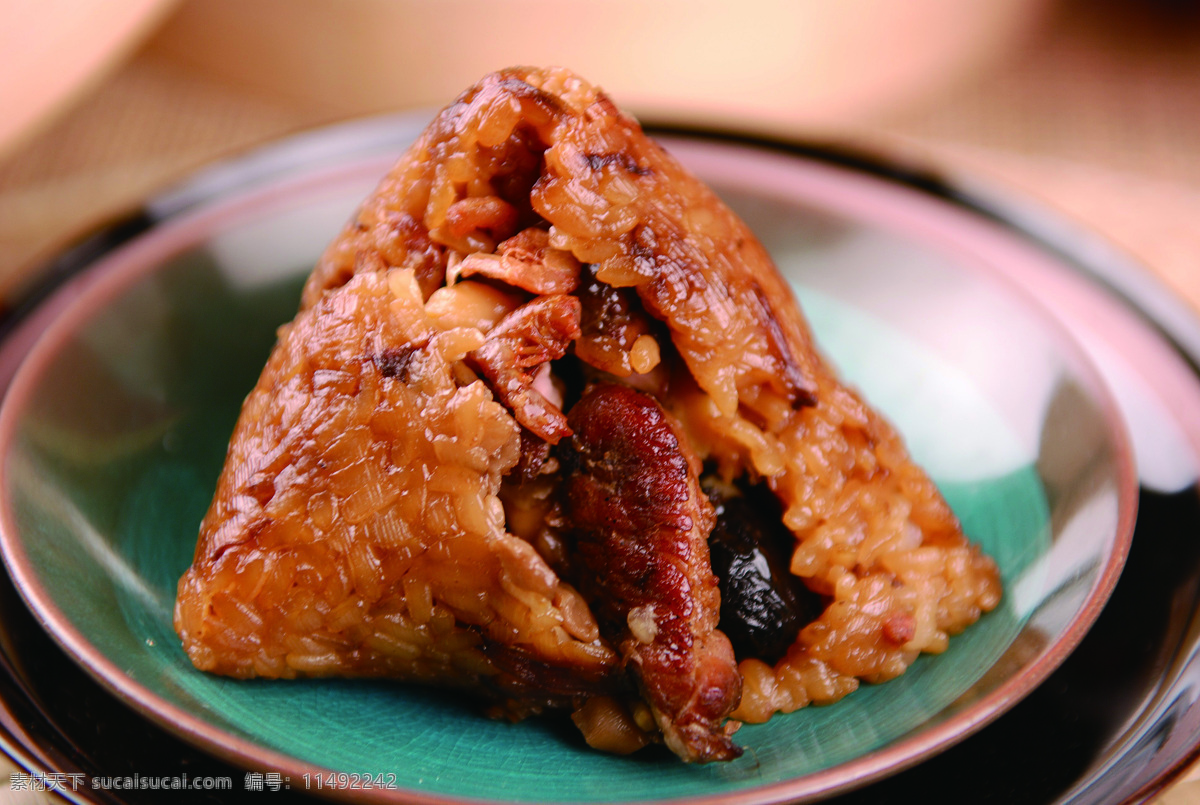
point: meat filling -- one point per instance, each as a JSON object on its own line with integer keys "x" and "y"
{"x": 642, "y": 523}
{"x": 522, "y": 343}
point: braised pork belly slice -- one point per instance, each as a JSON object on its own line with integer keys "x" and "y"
{"x": 641, "y": 528}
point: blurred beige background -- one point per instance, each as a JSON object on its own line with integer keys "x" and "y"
{"x": 1092, "y": 106}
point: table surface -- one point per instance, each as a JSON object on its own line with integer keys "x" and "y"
{"x": 1095, "y": 113}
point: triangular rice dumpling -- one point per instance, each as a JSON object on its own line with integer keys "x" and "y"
{"x": 540, "y": 388}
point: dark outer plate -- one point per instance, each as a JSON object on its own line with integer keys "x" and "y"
{"x": 1114, "y": 723}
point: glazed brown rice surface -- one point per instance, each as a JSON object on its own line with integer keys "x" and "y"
{"x": 395, "y": 500}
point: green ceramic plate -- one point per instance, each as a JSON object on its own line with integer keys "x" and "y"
{"x": 115, "y": 427}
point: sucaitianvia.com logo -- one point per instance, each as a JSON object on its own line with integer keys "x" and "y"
{"x": 39, "y": 781}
